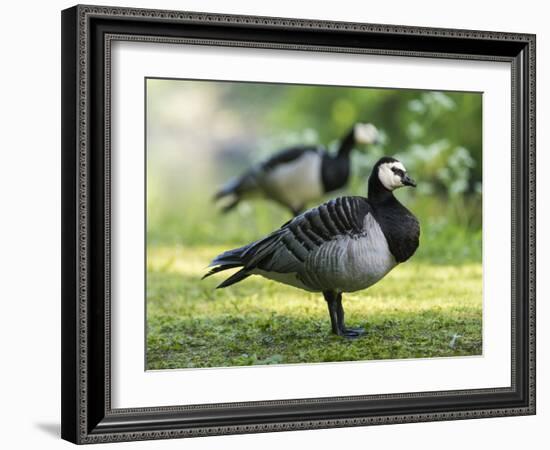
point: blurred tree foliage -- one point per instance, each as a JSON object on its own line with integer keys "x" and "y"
{"x": 438, "y": 131}
{"x": 437, "y": 135}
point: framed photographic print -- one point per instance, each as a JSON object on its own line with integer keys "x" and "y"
{"x": 281, "y": 224}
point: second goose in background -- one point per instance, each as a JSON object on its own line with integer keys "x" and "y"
{"x": 299, "y": 175}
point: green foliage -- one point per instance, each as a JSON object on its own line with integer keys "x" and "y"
{"x": 439, "y": 132}
{"x": 419, "y": 310}
{"x": 436, "y": 134}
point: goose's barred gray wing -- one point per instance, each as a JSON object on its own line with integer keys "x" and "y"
{"x": 310, "y": 251}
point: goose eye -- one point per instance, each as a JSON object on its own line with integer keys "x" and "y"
{"x": 398, "y": 171}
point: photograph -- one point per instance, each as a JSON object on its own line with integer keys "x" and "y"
{"x": 303, "y": 224}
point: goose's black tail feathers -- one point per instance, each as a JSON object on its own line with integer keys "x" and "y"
{"x": 229, "y": 260}
{"x": 248, "y": 257}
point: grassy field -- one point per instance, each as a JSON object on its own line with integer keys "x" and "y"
{"x": 419, "y": 310}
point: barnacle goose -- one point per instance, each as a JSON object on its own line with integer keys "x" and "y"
{"x": 344, "y": 245}
{"x": 296, "y": 176}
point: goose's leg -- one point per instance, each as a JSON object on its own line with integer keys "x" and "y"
{"x": 336, "y": 313}
{"x": 330, "y": 298}
{"x": 350, "y": 333}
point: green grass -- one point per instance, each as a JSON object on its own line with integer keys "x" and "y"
{"x": 419, "y": 310}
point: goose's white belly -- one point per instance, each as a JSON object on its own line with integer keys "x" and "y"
{"x": 290, "y": 279}
{"x": 297, "y": 182}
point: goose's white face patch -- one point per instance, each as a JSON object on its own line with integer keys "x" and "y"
{"x": 365, "y": 133}
{"x": 389, "y": 179}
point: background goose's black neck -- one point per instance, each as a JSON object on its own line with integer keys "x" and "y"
{"x": 347, "y": 144}
{"x": 334, "y": 171}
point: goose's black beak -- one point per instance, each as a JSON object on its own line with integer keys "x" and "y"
{"x": 408, "y": 181}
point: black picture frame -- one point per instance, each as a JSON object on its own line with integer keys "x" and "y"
{"x": 87, "y": 32}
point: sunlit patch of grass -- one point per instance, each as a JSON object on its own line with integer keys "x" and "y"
{"x": 418, "y": 310}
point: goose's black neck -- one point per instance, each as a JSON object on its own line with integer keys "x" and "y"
{"x": 399, "y": 225}
{"x": 377, "y": 193}
{"x": 347, "y": 144}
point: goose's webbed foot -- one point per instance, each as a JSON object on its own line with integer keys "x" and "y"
{"x": 336, "y": 313}
{"x": 353, "y": 333}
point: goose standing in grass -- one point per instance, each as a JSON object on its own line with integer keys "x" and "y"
{"x": 297, "y": 176}
{"x": 344, "y": 245}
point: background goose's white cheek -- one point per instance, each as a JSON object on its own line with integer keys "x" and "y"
{"x": 365, "y": 133}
